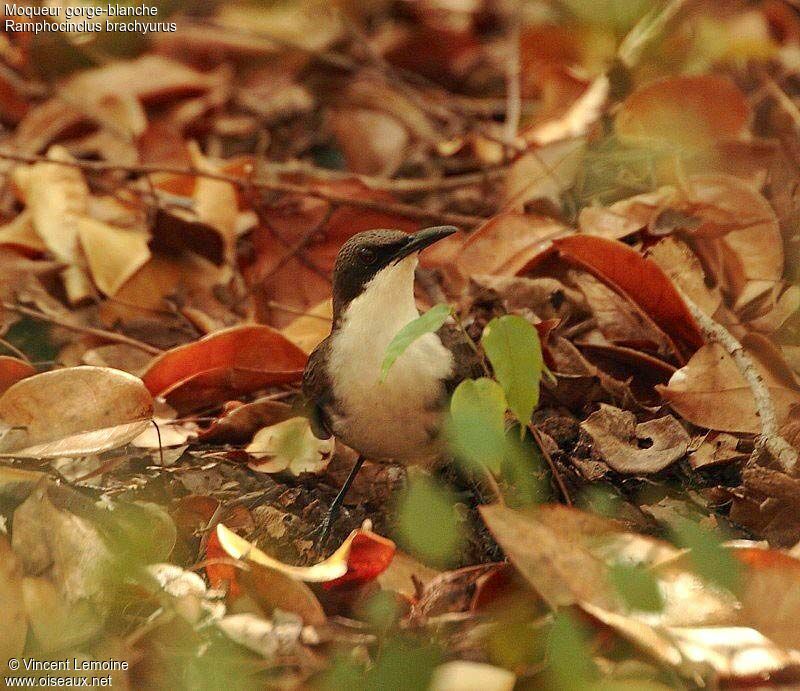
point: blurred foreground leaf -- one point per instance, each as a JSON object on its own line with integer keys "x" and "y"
{"x": 477, "y": 423}
{"x": 427, "y": 521}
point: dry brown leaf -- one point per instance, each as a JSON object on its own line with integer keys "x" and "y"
{"x": 148, "y": 78}
{"x": 113, "y": 254}
{"x": 73, "y": 412}
{"x": 728, "y": 652}
{"x": 46, "y": 123}
{"x": 618, "y": 318}
{"x": 55, "y": 623}
{"x": 56, "y": 196}
{"x": 372, "y": 142}
{"x": 578, "y": 119}
{"x": 19, "y": 234}
{"x": 507, "y": 243}
{"x": 273, "y": 589}
{"x": 710, "y": 392}
{"x": 716, "y": 449}
{"x": 65, "y": 547}
{"x": 309, "y": 330}
{"x": 684, "y": 269}
{"x": 215, "y": 203}
{"x": 15, "y": 620}
{"x": 544, "y": 173}
{"x": 632, "y": 448}
{"x": 562, "y": 572}
{"x": 685, "y": 111}
{"x": 640, "y": 279}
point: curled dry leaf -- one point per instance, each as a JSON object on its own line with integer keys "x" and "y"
{"x": 628, "y": 447}
{"x": 239, "y": 422}
{"x": 223, "y": 365}
{"x": 579, "y": 117}
{"x": 361, "y": 557}
{"x": 710, "y": 391}
{"x": 289, "y": 445}
{"x": 73, "y": 412}
{"x": 687, "y": 111}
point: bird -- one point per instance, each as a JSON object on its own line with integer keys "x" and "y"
{"x": 400, "y": 417}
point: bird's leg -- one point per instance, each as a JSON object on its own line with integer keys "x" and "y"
{"x": 333, "y": 510}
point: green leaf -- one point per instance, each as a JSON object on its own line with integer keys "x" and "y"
{"x": 476, "y": 429}
{"x": 709, "y": 557}
{"x": 569, "y": 654}
{"x": 637, "y": 586}
{"x": 426, "y": 323}
{"x": 512, "y": 346}
{"x": 427, "y": 521}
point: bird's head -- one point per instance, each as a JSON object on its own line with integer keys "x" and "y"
{"x": 365, "y": 255}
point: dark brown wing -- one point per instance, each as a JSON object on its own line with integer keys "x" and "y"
{"x": 318, "y": 391}
{"x": 467, "y": 363}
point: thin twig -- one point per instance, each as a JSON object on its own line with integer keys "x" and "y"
{"x": 396, "y": 185}
{"x": 299, "y": 313}
{"x": 396, "y": 208}
{"x": 12, "y": 348}
{"x": 562, "y": 487}
{"x": 770, "y": 439}
{"x": 88, "y": 330}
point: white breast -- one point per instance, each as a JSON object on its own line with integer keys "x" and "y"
{"x": 398, "y": 418}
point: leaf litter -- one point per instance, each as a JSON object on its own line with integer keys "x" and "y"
{"x": 617, "y": 514}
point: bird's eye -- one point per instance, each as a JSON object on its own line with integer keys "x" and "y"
{"x": 366, "y": 255}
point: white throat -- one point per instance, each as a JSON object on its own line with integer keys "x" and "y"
{"x": 397, "y": 418}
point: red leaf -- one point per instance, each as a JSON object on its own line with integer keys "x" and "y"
{"x": 370, "y": 555}
{"x": 12, "y": 370}
{"x": 223, "y": 365}
{"x": 640, "y": 279}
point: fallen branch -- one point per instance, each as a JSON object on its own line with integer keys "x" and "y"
{"x": 88, "y": 330}
{"x": 770, "y": 439}
{"x": 396, "y": 208}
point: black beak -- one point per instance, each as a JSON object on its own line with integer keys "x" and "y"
{"x": 422, "y": 239}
